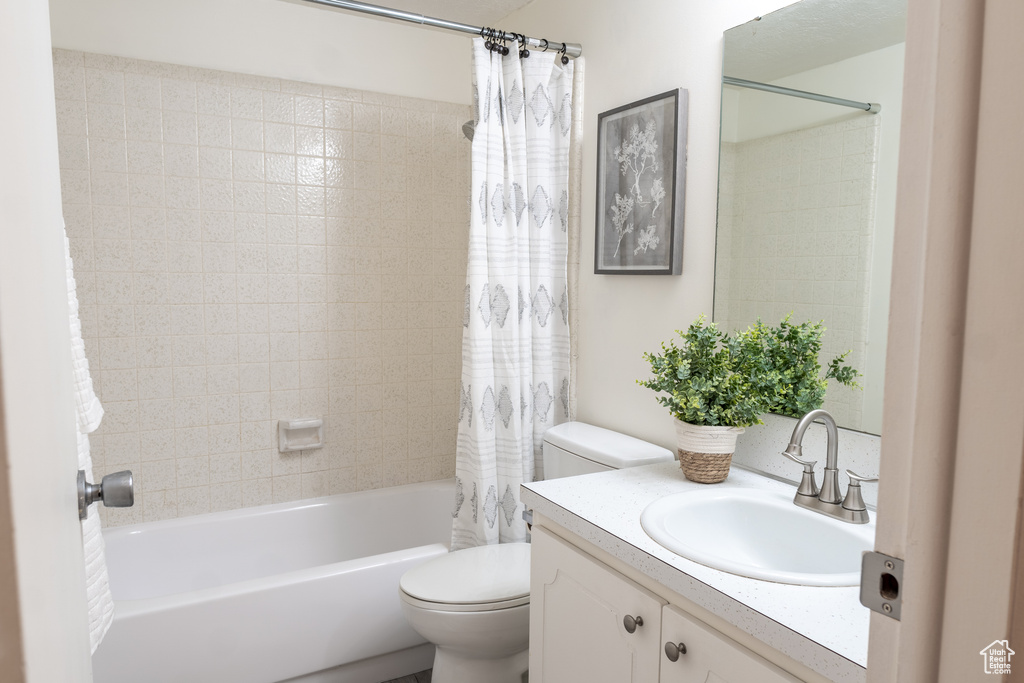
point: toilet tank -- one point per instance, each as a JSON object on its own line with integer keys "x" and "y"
{"x": 573, "y": 448}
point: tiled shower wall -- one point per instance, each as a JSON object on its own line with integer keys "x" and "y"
{"x": 249, "y": 249}
{"x": 796, "y": 223}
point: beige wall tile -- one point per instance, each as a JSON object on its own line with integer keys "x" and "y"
{"x": 248, "y": 250}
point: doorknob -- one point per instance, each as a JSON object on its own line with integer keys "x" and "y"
{"x": 116, "y": 490}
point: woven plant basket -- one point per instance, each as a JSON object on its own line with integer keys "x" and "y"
{"x": 705, "y": 453}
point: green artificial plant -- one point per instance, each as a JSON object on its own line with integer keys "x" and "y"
{"x": 702, "y": 380}
{"x": 783, "y": 365}
{"x": 717, "y": 379}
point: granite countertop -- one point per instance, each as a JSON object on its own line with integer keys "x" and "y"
{"x": 826, "y": 629}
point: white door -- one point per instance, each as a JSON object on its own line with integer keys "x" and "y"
{"x": 710, "y": 656}
{"x": 954, "y": 407}
{"x": 587, "y": 622}
{"x": 44, "y": 600}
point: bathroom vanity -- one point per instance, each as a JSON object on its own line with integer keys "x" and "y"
{"x": 608, "y": 603}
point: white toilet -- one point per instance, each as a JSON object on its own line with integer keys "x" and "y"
{"x": 474, "y": 604}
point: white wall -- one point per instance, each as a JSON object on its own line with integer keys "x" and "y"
{"x": 280, "y": 38}
{"x": 634, "y": 50}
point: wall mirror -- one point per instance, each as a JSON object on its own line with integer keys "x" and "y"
{"x": 807, "y": 188}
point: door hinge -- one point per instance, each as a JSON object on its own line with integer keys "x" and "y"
{"x": 881, "y": 584}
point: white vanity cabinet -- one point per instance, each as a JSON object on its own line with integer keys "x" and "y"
{"x": 581, "y": 613}
{"x": 709, "y": 655}
{"x": 578, "y": 609}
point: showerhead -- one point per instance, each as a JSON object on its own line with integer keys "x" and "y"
{"x": 468, "y": 128}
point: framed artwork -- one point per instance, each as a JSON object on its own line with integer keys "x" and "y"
{"x": 641, "y": 182}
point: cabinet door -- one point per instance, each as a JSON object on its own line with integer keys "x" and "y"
{"x": 577, "y": 612}
{"x": 711, "y": 657}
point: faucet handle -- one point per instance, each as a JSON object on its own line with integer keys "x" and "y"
{"x": 808, "y": 464}
{"x": 853, "y": 500}
{"x": 808, "y": 487}
{"x": 854, "y": 477}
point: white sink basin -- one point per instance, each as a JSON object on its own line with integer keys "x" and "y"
{"x": 759, "y": 534}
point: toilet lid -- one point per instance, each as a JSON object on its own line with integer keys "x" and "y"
{"x": 486, "y": 574}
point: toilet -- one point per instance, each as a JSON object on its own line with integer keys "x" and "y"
{"x": 474, "y": 604}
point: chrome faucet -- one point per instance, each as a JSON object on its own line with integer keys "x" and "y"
{"x": 827, "y": 500}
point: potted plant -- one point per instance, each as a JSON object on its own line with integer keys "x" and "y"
{"x": 711, "y": 399}
{"x": 716, "y": 384}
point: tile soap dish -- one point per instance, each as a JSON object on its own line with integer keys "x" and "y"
{"x": 303, "y": 434}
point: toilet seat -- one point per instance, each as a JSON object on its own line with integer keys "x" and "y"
{"x": 465, "y": 607}
{"x": 491, "y": 577}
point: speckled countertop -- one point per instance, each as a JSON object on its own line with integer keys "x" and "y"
{"x": 826, "y": 629}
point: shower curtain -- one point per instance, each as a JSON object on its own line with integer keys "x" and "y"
{"x": 515, "y": 346}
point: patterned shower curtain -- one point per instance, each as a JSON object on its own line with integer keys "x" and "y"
{"x": 515, "y": 345}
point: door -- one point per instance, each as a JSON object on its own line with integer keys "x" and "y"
{"x": 587, "y": 622}
{"x": 709, "y": 656}
{"x": 42, "y": 586}
{"x": 954, "y": 395}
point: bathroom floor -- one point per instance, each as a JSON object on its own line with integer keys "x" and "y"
{"x": 421, "y": 677}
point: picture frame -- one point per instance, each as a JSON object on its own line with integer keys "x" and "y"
{"x": 641, "y": 185}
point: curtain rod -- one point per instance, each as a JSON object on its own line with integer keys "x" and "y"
{"x": 869, "y": 107}
{"x": 572, "y": 50}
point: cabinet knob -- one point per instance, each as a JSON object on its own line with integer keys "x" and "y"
{"x": 630, "y": 623}
{"x": 673, "y": 650}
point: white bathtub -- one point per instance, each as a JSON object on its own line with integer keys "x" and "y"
{"x": 272, "y": 593}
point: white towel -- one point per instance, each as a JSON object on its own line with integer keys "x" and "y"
{"x": 89, "y": 415}
{"x": 90, "y": 412}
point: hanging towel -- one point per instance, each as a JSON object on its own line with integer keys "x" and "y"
{"x": 89, "y": 414}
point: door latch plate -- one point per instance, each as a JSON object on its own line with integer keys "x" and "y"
{"x": 881, "y": 584}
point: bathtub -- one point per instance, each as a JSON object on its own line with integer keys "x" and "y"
{"x": 305, "y": 591}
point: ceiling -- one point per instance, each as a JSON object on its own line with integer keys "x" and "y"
{"x": 475, "y": 12}
{"x": 810, "y": 34}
